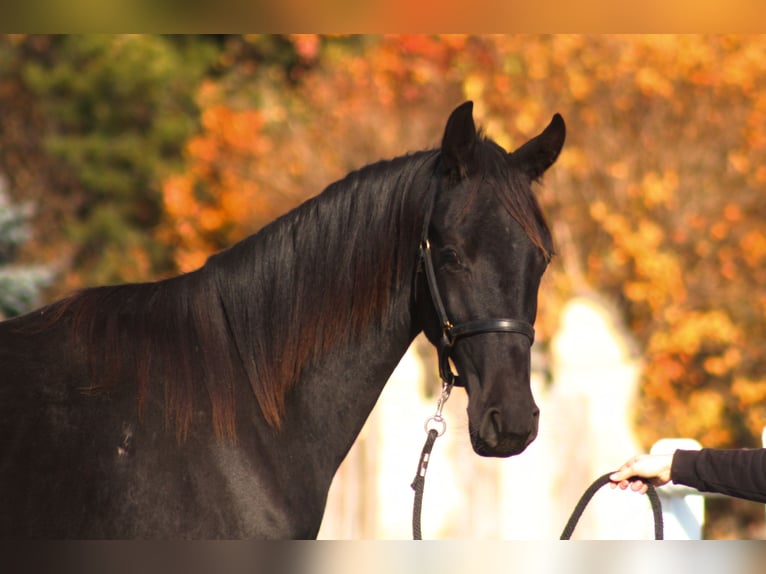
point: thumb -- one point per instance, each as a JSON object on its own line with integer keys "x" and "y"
{"x": 622, "y": 473}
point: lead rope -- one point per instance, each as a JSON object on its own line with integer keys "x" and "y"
{"x": 420, "y": 478}
{"x": 435, "y": 426}
{"x": 654, "y": 500}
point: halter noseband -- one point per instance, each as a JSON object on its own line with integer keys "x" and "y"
{"x": 451, "y": 332}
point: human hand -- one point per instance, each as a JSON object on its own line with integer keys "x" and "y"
{"x": 654, "y": 467}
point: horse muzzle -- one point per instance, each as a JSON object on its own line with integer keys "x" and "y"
{"x": 496, "y": 437}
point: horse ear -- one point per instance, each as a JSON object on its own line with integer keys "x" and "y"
{"x": 539, "y": 153}
{"x": 459, "y": 141}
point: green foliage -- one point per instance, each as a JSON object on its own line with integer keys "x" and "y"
{"x": 117, "y": 111}
{"x": 20, "y": 285}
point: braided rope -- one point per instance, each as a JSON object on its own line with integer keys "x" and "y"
{"x": 418, "y": 484}
{"x": 654, "y": 499}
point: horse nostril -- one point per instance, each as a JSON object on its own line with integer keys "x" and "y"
{"x": 492, "y": 428}
{"x": 497, "y": 423}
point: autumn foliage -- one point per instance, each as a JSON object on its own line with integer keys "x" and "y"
{"x": 657, "y": 201}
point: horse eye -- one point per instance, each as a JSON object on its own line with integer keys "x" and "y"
{"x": 450, "y": 258}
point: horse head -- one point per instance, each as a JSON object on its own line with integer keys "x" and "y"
{"x": 485, "y": 248}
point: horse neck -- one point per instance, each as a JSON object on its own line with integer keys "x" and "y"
{"x": 337, "y": 388}
{"x": 337, "y": 394}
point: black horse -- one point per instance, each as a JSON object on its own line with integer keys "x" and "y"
{"x": 221, "y": 402}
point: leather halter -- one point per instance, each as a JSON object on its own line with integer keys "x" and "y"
{"x": 451, "y": 332}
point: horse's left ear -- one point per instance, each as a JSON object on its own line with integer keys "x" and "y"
{"x": 539, "y": 153}
{"x": 459, "y": 141}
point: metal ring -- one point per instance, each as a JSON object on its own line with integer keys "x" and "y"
{"x": 436, "y": 423}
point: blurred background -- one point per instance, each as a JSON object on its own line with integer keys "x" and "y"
{"x": 135, "y": 157}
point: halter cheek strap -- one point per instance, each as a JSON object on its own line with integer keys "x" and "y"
{"x": 450, "y": 332}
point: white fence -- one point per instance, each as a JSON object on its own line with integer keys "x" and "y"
{"x": 683, "y": 508}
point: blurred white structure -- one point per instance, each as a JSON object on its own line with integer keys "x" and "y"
{"x": 584, "y": 432}
{"x": 683, "y": 508}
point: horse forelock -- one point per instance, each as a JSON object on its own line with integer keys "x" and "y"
{"x": 513, "y": 190}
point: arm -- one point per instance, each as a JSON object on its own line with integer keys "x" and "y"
{"x": 734, "y": 472}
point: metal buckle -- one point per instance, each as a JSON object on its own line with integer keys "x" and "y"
{"x": 448, "y": 339}
{"x": 436, "y": 421}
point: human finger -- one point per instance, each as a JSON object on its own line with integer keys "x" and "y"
{"x": 639, "y": 486}
{"x": 625, "y": 471}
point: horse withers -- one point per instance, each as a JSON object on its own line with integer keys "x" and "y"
{"x": 220, "y": 403}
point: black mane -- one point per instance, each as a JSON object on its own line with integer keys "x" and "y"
{"x": 262, "y": 310}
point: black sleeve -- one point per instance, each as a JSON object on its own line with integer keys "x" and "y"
{"x": 734, "y": 472}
